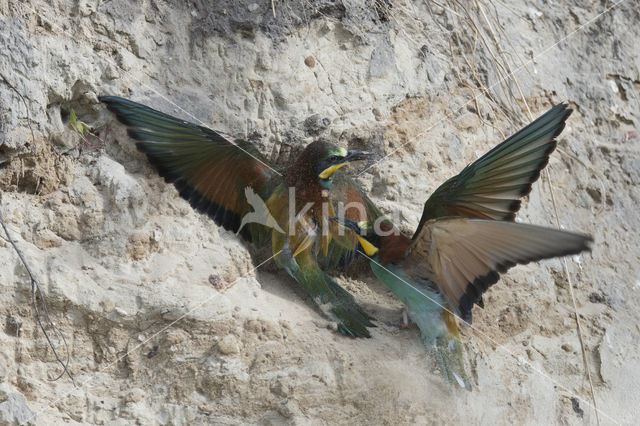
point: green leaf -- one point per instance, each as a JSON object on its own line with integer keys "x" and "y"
{"x": 72, "y": 119}
{"x": 75, "y": 125}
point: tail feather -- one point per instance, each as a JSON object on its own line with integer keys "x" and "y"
{"x": 334, "y": 301}
{"x": 438, "y": 327}
{"x": 449, "y": 354}
{"x": 439, "y": 332}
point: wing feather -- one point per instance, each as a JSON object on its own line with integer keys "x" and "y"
{"x": 208, "y": 169}
{"x": 465, "y": 256}
{"x": 491, "y": 187}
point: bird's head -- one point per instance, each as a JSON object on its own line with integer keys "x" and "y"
{"x": 323, "y": 159}
{"x": 369, "y": 240}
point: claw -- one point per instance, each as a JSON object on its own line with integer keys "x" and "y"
{"x": 405, "y": 319}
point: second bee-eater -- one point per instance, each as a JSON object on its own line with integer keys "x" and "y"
{"x": 466, "y": 238}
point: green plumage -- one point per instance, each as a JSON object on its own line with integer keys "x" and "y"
{"x": 425, "y": 307}
{"x": 491, "y": 186}
{"x": 213, "y": 172}
{"x": 465, "y": 239}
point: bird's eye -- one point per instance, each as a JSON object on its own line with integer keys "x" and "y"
{"x": 334, "y": 158}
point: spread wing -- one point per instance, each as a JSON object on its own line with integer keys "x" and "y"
{"x": 464, "y": 257}
{"x": 491, "y": 187}
{"x": 210, "y": 170}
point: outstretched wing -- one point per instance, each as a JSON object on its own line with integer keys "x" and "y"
{"x": 465, "y": 256}
{"x": 491, "y": 187}
{"x": 209, "y": 170}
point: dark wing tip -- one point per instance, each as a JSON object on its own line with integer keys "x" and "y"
{"x": 110, "y": 102}
{"x": 475, "y": 290}
{"x": 588, "y": 240}
{"x": 544, "y": 158}
{"x": 551, "y": 146}
{"x": 223, "y": 217}
{"x": 473, "y": 293}
{"x": 565, "y": 115}
{"x": 514, "y": 207}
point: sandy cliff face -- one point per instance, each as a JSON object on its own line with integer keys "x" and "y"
{"x": 166, "y": 316}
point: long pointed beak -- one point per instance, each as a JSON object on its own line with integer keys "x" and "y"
{"x": 368, "y": 247}
{"x": 347, "y": 223}
{"x": 357, "y": 155}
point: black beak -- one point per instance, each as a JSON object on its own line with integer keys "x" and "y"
{"x": 347, "y": 223}
{"x": 357, "y": 155}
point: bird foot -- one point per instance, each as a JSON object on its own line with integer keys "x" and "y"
{"x": 406, "y": 321}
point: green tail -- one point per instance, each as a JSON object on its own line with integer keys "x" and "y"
{"x": 333, "y": 300}
{"x": 445, "y": 346}
{"x": 425, "y": 307}
{"x": 449, "y": 354}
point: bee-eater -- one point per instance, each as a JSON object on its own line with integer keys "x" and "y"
{"x": 465, "y": 238}
{"x": 226, "y": 178}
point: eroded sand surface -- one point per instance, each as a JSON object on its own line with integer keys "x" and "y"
{"x": 121, "y": 256}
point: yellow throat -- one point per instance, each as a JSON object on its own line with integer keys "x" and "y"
{"x": 329, "y": 170}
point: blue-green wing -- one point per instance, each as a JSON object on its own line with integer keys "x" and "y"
{"x": 210, "y": 170}
{"x": 491, "y": 187}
